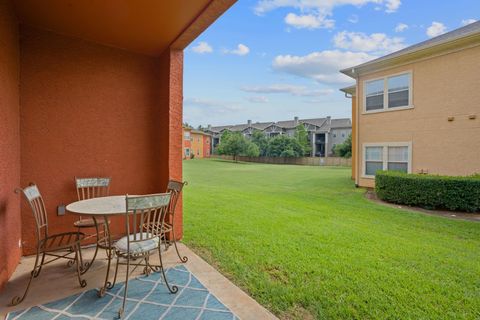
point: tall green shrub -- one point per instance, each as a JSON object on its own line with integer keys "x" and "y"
{"x": 284, "y": 146}
{"x": 301, "y": 134}
{"x": 429, "y": 191}
{"x": 344, "y": 149}
{"x": 235, "y": 144}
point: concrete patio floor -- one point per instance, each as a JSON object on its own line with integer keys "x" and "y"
{"x": 58, "y": 281}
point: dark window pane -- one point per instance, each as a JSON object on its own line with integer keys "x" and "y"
{"x": 374, "y": 102}
{"x": 372, "y": 166}
{"x": 398, "y": 83}
{"x": 398, "y": 99}
{"x": 374, "y": 87}
{"x": 398, "y": 166}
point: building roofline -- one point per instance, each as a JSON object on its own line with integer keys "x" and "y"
{"x": 351, "y": 90}
{"x": 457, "y": 39}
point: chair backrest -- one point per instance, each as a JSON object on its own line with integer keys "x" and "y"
{"x": 88, "y": 188}
{"x": 35, "y": 200}
{"x": 147, "y": 214}
{"x": 175, "y": 188}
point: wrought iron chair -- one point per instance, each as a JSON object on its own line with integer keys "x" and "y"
{"x": 144, "y": 222}
{"x": 58, "y": 246}
{"x": 175, "y": 188}
{"x": 88, "y": 188}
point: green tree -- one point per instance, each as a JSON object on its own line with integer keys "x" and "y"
{"x": 252, "y": 150}
{"x": 344, "y": 149}
{"x": 260, "y": 139}
{"x": 235, "y": 144}
{"x": 221, "y": 146}
{"x": 284, "y": 146}
{"x": 301, "y": 135}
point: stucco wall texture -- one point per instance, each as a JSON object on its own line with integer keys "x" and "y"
{"x": 10, "y": 222}
{"x": 92, "y": 110}
{"x": 443, "y": 86}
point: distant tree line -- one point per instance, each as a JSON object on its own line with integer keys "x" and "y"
{"x": 236, "y": 144}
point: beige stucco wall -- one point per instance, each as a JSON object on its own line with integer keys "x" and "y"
{"x": 443, "y": 86}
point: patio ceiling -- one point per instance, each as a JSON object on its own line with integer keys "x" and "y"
{"x": 142, "y": 26}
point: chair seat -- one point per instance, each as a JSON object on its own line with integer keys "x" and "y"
{"x": 61, "y": 241}
{"x": 88, "y": 223}
{"x": 137, "y": 246}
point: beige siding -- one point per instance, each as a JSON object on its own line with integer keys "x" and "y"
{"x": 444, "y": 86}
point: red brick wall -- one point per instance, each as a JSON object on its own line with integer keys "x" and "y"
{"x": 10, "y": 221}
{"x": 207, "y": 148}
{"x": 91, "y": 110}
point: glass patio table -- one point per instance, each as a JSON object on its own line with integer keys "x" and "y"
{"x": 101, "y": 207}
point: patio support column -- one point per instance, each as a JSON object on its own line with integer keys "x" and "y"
{"x": 175, "y": 131}
{"x": 171, "y": 104}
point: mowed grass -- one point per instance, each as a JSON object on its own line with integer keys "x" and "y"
{"x": 305, "y": 243}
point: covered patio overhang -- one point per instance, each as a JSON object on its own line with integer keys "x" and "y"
{"x": 89, "y": 88}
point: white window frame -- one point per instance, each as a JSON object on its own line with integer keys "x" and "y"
{"x": 187, "y": 152}
{"x": 385, "y": 146}
{"x": 385, "y": 93}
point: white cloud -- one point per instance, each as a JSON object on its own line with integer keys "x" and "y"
{"x": 308, "y": 21}
{"x": 436, "y": 29}
{"x": 322, "y": 66}
{"x": 241, "y": 50}
{"x": 401, "y": 27}
{"x": 353, "y": 18}
{"x": 258, "y": 99}
{"x": 316, "y": 13}
{"x": 218, "y": 106}
{"x": 294, "y": 90}
{"x": 468, "y": 21}
{"x": 392, "y": 5}
{"x": 202, "y": 47}
{"x": 378, "y": 43}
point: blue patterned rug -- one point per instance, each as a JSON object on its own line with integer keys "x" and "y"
{"x": 147, "y": 298}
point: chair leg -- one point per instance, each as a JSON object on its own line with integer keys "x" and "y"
{"x": 147, "y": 268}
{"x": 112, "y": 284}
{"x": 121, "y": 311}
{"x": 40, "y": 267}
{"x": 184, "y": 259}
{"x": 174, "y": 288}
{"x": 77, "y": 250}
{"x": 35, "y": 272}
{"x": 72, "y": 262}
{"x": 87, "y": 265}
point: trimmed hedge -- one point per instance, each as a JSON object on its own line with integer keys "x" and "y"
{"x": 429, "y": 191}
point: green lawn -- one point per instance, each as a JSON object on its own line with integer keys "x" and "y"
{"x": 305, "y": 243}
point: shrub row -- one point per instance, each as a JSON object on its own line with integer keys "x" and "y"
{"x": 429, "y": 191}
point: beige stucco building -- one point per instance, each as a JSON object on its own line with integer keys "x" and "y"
{"x": 418, "y": 109}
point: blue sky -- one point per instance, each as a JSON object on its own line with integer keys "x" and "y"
{"x": 270, "y": 60}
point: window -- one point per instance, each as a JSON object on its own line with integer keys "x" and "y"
{"x": 334, "y": 135}
{"x": 187, "y": 152}
{"x": 398, "y": 91}
{"x": 388, "y": 156}
{"x": 198, "y": 139}
{"x": 343, "y": 134}
{"x": 373, "y": 160}
{"x": 398, "y": 158}
{"x": 374, "y": 95}
{"x": 388, "y": 93}
{"x": 186, "y": 135}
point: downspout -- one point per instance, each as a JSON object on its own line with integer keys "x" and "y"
{"x": 357, "y": 139}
